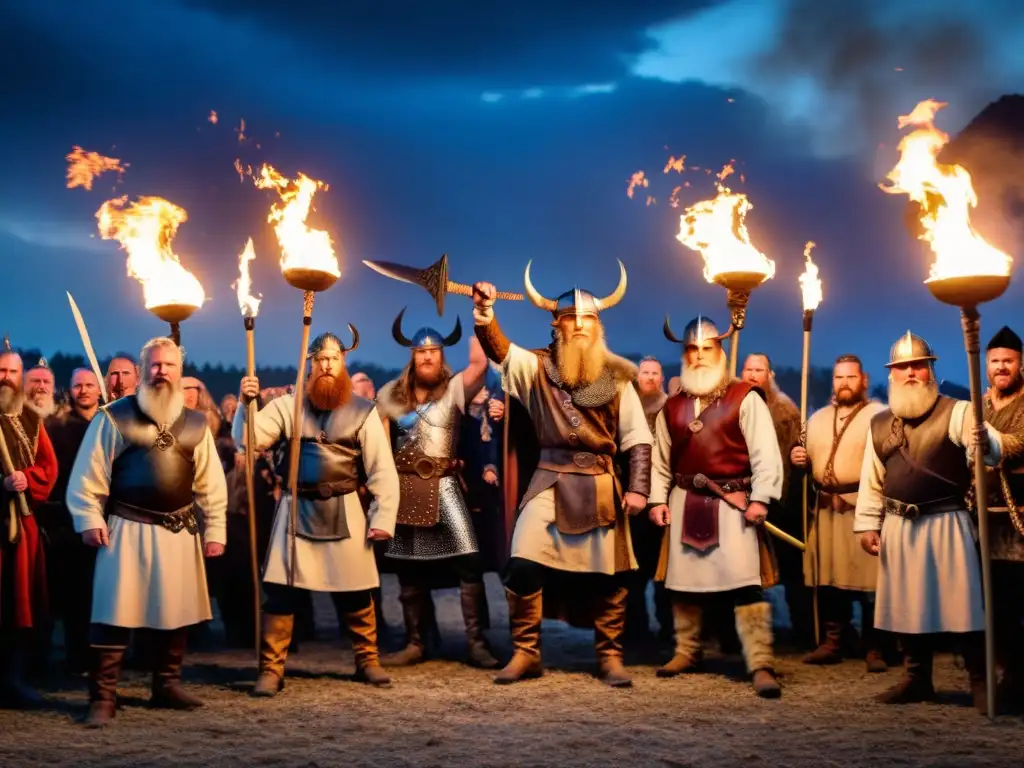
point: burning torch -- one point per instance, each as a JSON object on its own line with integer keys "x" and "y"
{"x": 810, "y": 288}
{"x": 966, "y": 273}
{"x": 250, "y": 307}
{"x": 146, "y": 230}
{"x": 309, "y": 264}
{"x": 716, "y": 229}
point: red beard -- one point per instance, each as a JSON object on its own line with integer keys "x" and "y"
{"x": 327, "y": 393}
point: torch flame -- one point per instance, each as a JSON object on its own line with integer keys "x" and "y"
{"x": 84, "y": 166}
{"x": 946, "y": 196}
{"x": 810, "y": 283}
{"x": 717, "y": 230}
{"x": 301, "y": 247}
{"x": 249, "y": 304}
{"x": 146, "y": 230}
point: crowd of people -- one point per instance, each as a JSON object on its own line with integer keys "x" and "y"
{"x": 576, "y": 474}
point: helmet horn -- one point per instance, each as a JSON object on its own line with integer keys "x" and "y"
{"x": 667, "y": 329}
{"x": 538, "y": 300}
{"x": 620, "y": 290}
{"x": 453, "y": 338}
{"x": 355, "y": 340}
{"x": 396, "y": 330}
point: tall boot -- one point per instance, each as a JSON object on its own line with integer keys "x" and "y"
{"x": 275, "y": 639}
{"x": 14, "y": 663}
{"x": 973, "y": 650}
{"x": 686, "y": 620}
{"x": 524, "y": 616}
{"x": 414, "y": 600}
{"x": 473, "y": 600}
{"x": 362, "y": 628}
{"x": 916, "y": 684}
{"x": 829, "y": 650}
{"x": 872, "y": 640}
{"x": 106, "y": 668}
{"x": 169, "y": 655}
{"x": 609, "y": 626}
{"x": 754, "y": 626}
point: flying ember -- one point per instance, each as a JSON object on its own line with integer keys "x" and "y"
{"x": 810, "y": 283}
{"x": 84, "y": 166}
{"x": 716, "y": 228}
{"x": 636, "y": 180}
{"x": 146, "y": 230}
{"x": 945, "y": 196}
{"x": 301, "y": 246}
{"x": 247, "y": 302}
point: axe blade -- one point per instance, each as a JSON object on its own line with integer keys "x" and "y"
{"x": 432, "y": 279}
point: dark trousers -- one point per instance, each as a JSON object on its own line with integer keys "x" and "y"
{"x": 525, "y": 577}
{"x": 282, "y": 600}
{"x": 69, "y": 574}
{"x": 646, "y": 538}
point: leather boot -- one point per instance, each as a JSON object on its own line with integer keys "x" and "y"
{"x": 974, "y": 662}
{"x": 524, "y": 616}
{"x": 754, "y": 626}
{"x": 829, "y": 651}
{"x": 609, "y": 626}
{"x": 686, "y": 619}
{"x": 472, "y": 601}
{"x": 362, "y": 628}
{"x": 275, "y": 639}
{"x": 106, "y": 668}
{"x": 413, "y": 601}
{"x": 169, "y": 656}
{"x": 14, "y": 662}
{"x": 872, "y": 640}
{"x": 916, "y": 684}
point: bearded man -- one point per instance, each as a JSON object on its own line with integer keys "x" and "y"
{"x": 424, "y": 407}
{"x": 342, "y": 440}
{"x": 1004, "y": 412}
{"x": 122, "y": 376}
{"x": 716, "y": 469}
{"x": 834, "y": 561}
{"x": 362, "y": 385}
{"x": 911, "y": 510}
{"x": 69, "y": 562}
{"x": 39, "y": 389}
{"x": 573, "y": 517}
{"x": 650, "y": 385}
{"x": 145, "y": 462}
{"x": 33, "y": 471}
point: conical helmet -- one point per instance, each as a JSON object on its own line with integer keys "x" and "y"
{"x": 910, "y": 348}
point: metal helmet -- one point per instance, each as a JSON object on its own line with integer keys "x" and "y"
{"x": 321, "y": 341}
{"x": 697, "y": 331}
{"x": 910, "y": 348}
{"x": 425, "y": 338}
{"x": 577, "y": 301}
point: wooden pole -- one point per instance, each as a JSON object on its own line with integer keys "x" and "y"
{"x": 250, "y": 477}
{"x": 805, "y": 372}
{"x": 309, "y": 297}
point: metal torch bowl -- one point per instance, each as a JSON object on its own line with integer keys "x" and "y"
{"x": 174, "y": 313}
{"x": 309, "y": 279}
{"x": 740, "y": 281}
{"x": 968, "y": 291}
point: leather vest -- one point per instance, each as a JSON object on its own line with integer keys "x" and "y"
{"x": 717, "y": 448}
{"x": 568, "y": 420}
{"x": 156, "y": 470}
{"x": 330, "y": 466}
{"x": 21, "y": 433}
{"x": 909, "y": 447}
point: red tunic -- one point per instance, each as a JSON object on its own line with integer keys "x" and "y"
{"x": 27, "y": 568}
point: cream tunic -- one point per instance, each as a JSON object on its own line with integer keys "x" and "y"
{"x": 329, "y": 566}
{"x": 535, "y": 536}
{"x": 735, "y": 562}
{"x": 146, "y": 576}
{"x": 831, "y": 543}
{"x": 929, "y": 575}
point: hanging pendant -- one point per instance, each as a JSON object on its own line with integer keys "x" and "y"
{"x": 696, "y": 426}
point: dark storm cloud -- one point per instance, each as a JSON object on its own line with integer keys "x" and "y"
{"x": 504, "y": 45}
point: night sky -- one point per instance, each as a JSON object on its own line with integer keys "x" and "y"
{"x": 496, "y": 132}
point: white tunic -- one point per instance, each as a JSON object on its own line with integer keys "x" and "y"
{"x": 535, "y": 536}
{"x": 735, "y": 562}
{"x": 146, "y": 576}
{"x": 929, "y": 574}
{"x": 329, "y": 566}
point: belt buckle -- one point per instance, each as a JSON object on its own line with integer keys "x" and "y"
{"x": 912, "y": 511}
{"x": 325, "y": 490}
{"x": 173, "y": 522}
{"x": 584, "y": 460}
{"x": 700, "y": 480}
{"x": 424, "y": 467}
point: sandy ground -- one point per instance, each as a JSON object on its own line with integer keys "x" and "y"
{"x": 443, "y": 713}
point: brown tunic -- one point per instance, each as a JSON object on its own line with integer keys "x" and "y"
{"x": 1006, "y": 482}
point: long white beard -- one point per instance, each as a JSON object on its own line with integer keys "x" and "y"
{"x": 45, "y": 409}
{"x": 911, "y": 402}
{"x": 163, "y": 405}
{"x": 705, "y": 379}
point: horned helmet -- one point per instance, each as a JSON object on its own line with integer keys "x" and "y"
{"x": 697, "y": 331}
{"x": 321, "y": 341}
{"x": 577, "y": 301}
{"x": 426, "y": 337}
{"x": 910, "y": 348}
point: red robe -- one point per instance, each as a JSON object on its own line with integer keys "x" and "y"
{"x": 27, "y": 571}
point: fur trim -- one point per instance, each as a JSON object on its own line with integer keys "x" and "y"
{"x": 754, "y": 626}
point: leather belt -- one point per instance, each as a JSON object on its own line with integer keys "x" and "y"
{"x": 574, "y": 462}
{"x": 914, "y": 511}
{"x": 699, "y": 483}
{"x": 175, "y": 522}
{"x": 328, "y": 490}
{"x": 427, "y": 467}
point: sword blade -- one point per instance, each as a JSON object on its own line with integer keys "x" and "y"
{"x": 84, "y": 333}
{"x": 395, "y": 271}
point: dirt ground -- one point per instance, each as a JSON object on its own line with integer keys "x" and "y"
{"x": 442, "y": 713}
